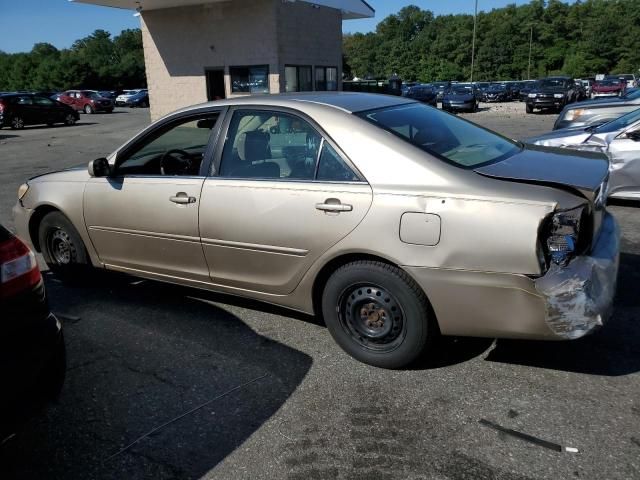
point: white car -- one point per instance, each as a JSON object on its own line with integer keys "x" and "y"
{"x": 125, "y": 95}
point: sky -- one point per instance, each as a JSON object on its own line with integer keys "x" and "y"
{"x": 60, "y": 22}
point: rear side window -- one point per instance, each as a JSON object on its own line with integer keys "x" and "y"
{"x": 332, "y": 168}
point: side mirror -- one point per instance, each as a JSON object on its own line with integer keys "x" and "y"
{"x": 634, "y": 135}
{"x": 99, "y": 167}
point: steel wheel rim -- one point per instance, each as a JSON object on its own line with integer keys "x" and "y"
{"x": 61, "y": 247}
{"x": 87, "y": 109}
{"x": 17, "y": 122}
{"x": 372, "y": 317}
{"x": 70, "y": 120}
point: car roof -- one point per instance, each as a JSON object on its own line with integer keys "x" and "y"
{"x": 351, "y": 102}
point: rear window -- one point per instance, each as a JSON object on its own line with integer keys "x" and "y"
{"x": 448, "y": 137}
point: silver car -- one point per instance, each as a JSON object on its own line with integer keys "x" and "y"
{"x": 619, "y": 139}
{"x": 392, "y": 220}
{"x": 596, "y": 112}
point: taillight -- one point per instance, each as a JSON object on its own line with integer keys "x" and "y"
{"x": 1, "y": 106}
{"x": 18, "y": 268}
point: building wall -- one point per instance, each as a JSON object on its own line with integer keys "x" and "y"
{"x": 309, "y": 35}
{"x": 179, "y": 43}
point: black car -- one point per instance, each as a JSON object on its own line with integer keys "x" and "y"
{"x": 527, "y": 87}
{"x": 423, "y": 93}
{"x": 482, "y": 88}
{"x": 498, "y": 92}
{"x": 32, "y": 351}
{"x": 553, "y": 93}
{"x": 440, "y": 88}
{"x": 460, "y": 97}
{"x": 20, "y": 109}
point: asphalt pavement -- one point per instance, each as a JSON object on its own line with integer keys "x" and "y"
{"x": 172, "y": 382}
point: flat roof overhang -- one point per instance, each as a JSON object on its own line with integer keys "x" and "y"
{"x": 351, "y": 9}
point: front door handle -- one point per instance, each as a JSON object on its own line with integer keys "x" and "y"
{"x": 182, "y": 198}
{"x": 333, "y": 205}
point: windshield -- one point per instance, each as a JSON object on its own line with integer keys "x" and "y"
{"x": 448, "y": 137}
{"x": 609, "y": 83}
{"x": 620, "y": 123}
{"x": 461, "y": 90}
{"x": 552, "y": 83}
{"x": 91, "y": 94}
{"x": 497, "y": 88}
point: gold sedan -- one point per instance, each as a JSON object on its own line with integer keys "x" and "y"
{"x": 392, "y": 220}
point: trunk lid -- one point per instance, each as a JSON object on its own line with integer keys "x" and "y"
{"x": 584, "y": 172}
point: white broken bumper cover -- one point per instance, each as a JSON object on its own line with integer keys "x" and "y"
{"x": 579, "y": 296}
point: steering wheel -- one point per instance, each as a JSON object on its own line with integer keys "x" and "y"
{"x": 182, "y": 164}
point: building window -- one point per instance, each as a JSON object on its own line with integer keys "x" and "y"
{"x": 298, "y": 79}
{"x": 326, "y": 78}
{"x": 254, "y": 79}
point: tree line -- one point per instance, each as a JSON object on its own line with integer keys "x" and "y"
{"x": 579, "y": 39}
{"x": 97, "y": 61}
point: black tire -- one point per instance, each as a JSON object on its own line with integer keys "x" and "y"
{"x": 88, "y": 109}
{"x": 63, "y": 248}
{"x": 17, "y": 122}
{"x": 70, "y": 119}
{"x": 378, "y": 314}
{"x": 529, "y": 109}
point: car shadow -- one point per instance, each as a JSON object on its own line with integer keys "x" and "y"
{"x": 140, "y": 354}
{"x": 613, "y": 350}
{"x": 5, "y": 137}
{"x": 80, "y": 123}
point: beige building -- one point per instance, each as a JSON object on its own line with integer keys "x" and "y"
{"x": 199, "y": 50}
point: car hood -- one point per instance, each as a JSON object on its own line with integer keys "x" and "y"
{"x": 458, "y": 96}
{"x": 562, "y": 137}
{"x": 598, "y": 102}
{"x": 77, "y": 173}
{"x": 578, "y": 171}
{"x": 548, "y": 90}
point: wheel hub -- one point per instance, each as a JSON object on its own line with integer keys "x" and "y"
{"x": 61, "y": 247}
{"x": 372, "y": 316}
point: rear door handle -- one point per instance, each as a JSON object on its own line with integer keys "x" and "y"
{"x": 182, "y": 198}
{"x": 333, "y": 205}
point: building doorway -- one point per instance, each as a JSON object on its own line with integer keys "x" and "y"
{"x": 215, "y": 84}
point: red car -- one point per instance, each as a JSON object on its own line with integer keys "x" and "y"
{"x": 87, "y": 101}
{"x": 610, "y": 87}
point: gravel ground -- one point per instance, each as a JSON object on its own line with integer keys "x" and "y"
{"x": 280, "y": 400}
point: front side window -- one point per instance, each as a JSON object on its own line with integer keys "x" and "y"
{"x": 253, "y": 79}
{"x": 175, "y": 149}
{"x": 25, "y": 100}
{"x": 270, "y": 145}
{"x": 450, "y": 138}
{"x": 43, "y": 101}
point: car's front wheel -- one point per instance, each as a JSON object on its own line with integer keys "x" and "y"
{"x": 378, "y": 314}
{"x": 88, "y": 109}
{"x": 62, "y": 247}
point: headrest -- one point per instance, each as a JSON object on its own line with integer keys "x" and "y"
{"x": 253, "y": 146}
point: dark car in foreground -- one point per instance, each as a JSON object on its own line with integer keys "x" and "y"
{"x": 597, "y": 111}
{"x": 18, "y": 110}
{"x": 460, "y": 98}
{"x": 551, "y": 93}
{"x": 87, "y": 101}
{"x": 424, "y": 93}
{"x": 32, "y": 351}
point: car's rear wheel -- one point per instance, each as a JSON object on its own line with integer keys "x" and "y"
{"x": 70, "y": 119}
{"x": 377, "y": 314}
{"x": 17, "y": 122}
{"x": 88, "y": 109}
{"x": 62, "y": 247}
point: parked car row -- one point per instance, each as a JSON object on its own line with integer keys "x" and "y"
{"x": 20, "y": 109}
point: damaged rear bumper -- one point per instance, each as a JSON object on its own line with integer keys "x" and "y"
{"x": 579, "y": 296}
